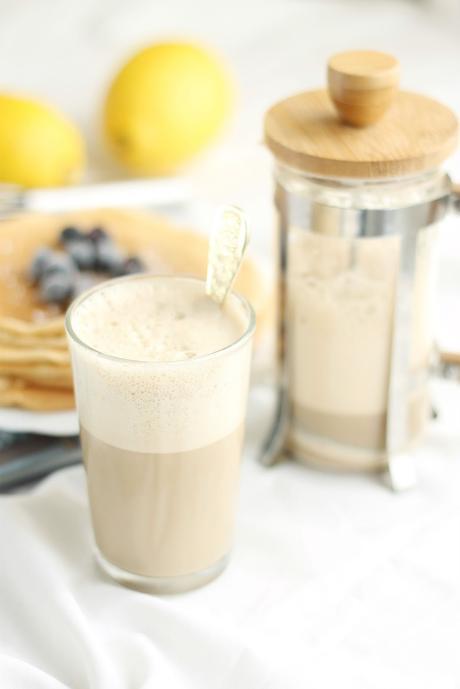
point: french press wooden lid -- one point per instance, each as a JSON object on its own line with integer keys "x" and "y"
{"x": 362, "y": 126}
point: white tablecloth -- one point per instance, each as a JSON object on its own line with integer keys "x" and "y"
{"x": 334, "y": 581}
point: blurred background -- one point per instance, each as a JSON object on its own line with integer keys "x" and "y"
{"x": 68, "y": 53}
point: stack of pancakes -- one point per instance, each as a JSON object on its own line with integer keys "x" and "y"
{"x": 34, "y": 365}
{"x": 35, "y": 368}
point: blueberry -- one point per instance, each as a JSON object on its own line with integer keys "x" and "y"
{"x": 97, "y": 234}
{"x": 39, "y": 264}
{"x": 56, "y": 288}
{"x": 83, "y": 253}
{"x": 132, "y": 265}
{"x": 58, "y": 263}
{"x": 69, "y": 234}
{"x": 109, "y": 257}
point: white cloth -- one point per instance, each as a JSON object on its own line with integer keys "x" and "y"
{"x": 334, "y": 581}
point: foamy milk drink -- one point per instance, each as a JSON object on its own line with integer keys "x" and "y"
{"x": 161, "y": 377}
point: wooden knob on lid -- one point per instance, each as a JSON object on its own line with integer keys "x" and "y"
{"x": 362, "y": 85}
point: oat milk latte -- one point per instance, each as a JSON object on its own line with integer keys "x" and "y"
{"x": 161, "y": 376}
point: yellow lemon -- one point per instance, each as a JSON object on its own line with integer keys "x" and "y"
{"x": 39, "y": 147}
{"x": 165, "y": 105}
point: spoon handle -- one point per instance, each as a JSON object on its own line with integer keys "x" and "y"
{"x": 227, "y": 244}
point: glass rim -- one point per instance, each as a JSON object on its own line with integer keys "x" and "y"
{"x": 234, "y": 345}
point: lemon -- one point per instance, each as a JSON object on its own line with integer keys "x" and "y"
{"x": 39, "y": 147}
{"x": 165, "y": 105}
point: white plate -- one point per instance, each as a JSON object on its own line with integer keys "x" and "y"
{"x": 58, "y": 423}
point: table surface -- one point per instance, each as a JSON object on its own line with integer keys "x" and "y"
{"x": 333, "y": 578}
{"x": 334, "y": 581}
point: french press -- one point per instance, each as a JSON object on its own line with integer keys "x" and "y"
{"x": 359, "y": 195}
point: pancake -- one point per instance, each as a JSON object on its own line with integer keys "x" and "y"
{"x": 34, "y": 364}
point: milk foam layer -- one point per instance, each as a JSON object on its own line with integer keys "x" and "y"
{"x": 157, "y": 320}
{"x": 167, "y": 400}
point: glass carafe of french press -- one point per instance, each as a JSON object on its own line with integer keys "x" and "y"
{"x": 359, "y": 194}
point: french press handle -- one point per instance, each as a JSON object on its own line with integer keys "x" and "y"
{"x": 449, "y": 362}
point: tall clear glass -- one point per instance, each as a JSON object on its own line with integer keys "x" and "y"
{"x": 161, "y": 446}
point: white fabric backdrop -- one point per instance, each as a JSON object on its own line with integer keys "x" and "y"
{"x": 334, "y": 580}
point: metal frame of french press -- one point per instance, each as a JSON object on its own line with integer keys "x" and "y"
{"x": 352, "y": 223}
